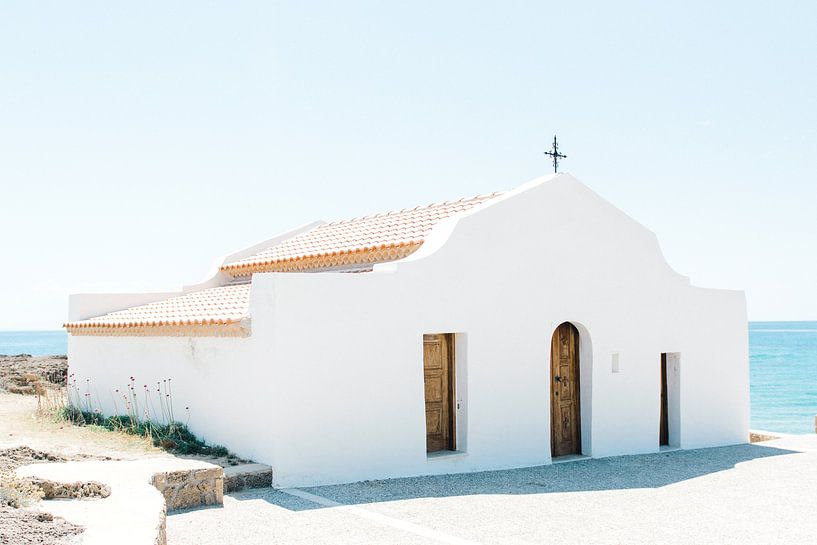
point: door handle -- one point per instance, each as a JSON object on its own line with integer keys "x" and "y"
{"x": 557, "y": 378}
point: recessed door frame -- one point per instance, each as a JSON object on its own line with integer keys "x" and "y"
{"x": 669, "y": 423}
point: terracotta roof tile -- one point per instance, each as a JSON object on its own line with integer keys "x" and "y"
{"x": 354, "y": 244}
{"x": 213, "y": 306}
{"x": 359, "y": 241}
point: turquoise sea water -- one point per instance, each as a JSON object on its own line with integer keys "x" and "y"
{"x": 35, "y": 343}
{"x": 783, "y": 359}
{"x": 783, "y": 377}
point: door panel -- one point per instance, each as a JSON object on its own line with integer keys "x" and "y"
{"x": 438, "y": 366}
{"x": 565, "y": 435}
{"x": 663, "y": 433}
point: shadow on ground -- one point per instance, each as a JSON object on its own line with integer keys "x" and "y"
{"x": 618, "y": 473}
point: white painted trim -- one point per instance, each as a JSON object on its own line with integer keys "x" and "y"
{"x": 461, "y": 391}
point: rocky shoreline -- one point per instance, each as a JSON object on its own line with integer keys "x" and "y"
{"x": 32, "y": 375}
{"x": 35, "y": 375}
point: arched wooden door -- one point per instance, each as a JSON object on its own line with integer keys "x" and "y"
{"x": 565, "y": 415}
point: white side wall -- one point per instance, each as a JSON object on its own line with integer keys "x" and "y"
{"x": 219, "y": 379}
{"x": 329, "y": 388}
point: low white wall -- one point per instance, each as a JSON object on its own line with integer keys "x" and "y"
{"x": 329, "y": 387}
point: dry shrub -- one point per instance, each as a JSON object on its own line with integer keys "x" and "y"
{"x": 26, "y": 384}
{"x": 51, "y": 404}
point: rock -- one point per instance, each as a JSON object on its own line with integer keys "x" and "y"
{"x": 185, "y": 489}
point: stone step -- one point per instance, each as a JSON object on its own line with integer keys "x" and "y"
{"x": 141, "y": 492}
{"x": 243, "y": 476}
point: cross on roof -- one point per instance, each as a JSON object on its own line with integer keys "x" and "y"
{"x": 554, "y": 153}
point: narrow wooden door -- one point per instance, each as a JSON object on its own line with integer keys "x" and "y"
{"x": 663, "y": 434}
{"x": 565, "y": 417}
{"x": 438, "y": 366}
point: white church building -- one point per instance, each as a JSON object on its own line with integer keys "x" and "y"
{"x": 499, "y": 331}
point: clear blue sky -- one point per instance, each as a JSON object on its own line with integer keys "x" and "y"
{"x": 141, "y": 140}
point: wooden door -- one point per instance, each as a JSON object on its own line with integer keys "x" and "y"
{"x": 565, "y": 417}
{"x": 438, "y": 366}
{"x": 663, "y": 434}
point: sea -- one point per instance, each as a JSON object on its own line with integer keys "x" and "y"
{"x": 783, "y": 376}
{"x": 782, "y": 359}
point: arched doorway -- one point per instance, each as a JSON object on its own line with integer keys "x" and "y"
{"x": 565, "y": 394}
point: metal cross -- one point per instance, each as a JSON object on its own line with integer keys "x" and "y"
{"x": 554, "y": 153}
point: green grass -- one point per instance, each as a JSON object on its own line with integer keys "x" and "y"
{"x": 173, "y": 437}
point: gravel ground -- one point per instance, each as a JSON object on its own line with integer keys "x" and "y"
{"x": 24, "y": 527}
{"x": 744, "y": 494}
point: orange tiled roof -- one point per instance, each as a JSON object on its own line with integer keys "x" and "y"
{"x": 352, "y": 244}
{"x": 221, "y": 306}
{"x": 356, "y": 242}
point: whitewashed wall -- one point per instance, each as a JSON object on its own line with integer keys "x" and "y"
{"x": 329, "y": 387}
